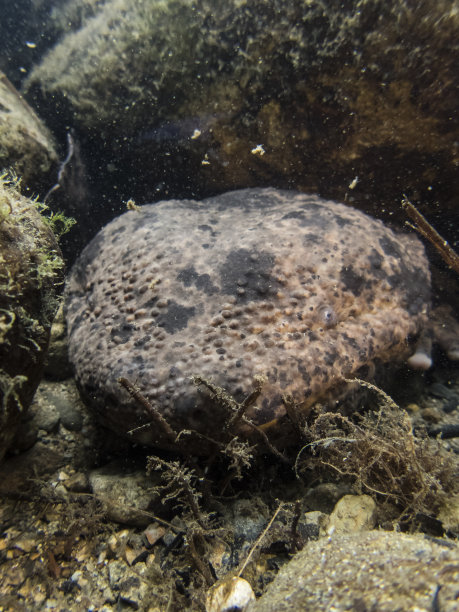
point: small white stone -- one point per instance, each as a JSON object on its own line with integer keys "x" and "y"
{"x": 352, "y": 513}
{"x": 258, "y": 150}
{"x": 233, "y": 593}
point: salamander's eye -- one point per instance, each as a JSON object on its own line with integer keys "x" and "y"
{"x": 328, "y": 316}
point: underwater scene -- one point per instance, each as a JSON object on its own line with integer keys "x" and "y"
{"x": 229, "y": 289}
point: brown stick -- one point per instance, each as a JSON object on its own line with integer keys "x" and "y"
{"x": 249, "y": 401}
{"x": 259, "y": 539}
{"x": 157, "y": 417}
{"x": 266, "y": 440}
{"x": 201, "y": 565}
{"x": 421, "y": 225}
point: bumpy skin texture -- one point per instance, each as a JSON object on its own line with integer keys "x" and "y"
{"x": 253, "y": 282}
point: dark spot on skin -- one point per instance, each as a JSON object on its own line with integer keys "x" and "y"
{"x": 351, "y": 341}
{"x": 410, "y": 279}
{"x": 208, "y": 228}
{"x": 123, "y": 333}
{"x": 351, "y": 280}
{"x": 314, "y": 208}
{"x": 375, "y": 259}
{"x": 304, "y": 373}
{"x": 295, "y": 214}
{"x": 78, "y": 321}
{"x": 282, "y": 379}
{"x": 253, "y": 268}
{"x": 176, "y": 317}
{"x": 234, "y": 199}
{"x": 269, "y": 408}
{"x": 151, "y": 302}
{"x": 390, "y": 247}
{"x": 341, "y": 221}
{"x": 311, "y": 216}
{"x": 309, "y": 239}
{"x": 189, "y": 276}
{"x": 330, "y": 358}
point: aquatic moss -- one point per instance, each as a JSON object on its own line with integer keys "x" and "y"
{"x": 31, "y": 273}
{"x": 148, "y": 58}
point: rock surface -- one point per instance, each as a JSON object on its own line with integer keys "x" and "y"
{"x": 379, "y": 570}
{"x": 126, "y": 495}
{"x": 352, "y": 513}
{"x": 290, "y": 287}
{"x": 175, "y": 98}
{"x": 26, "y": 145}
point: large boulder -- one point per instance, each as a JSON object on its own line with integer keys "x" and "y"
{"x": 376, "y": 570}
{"x": 26, "y": 145}
{"x": 353, "y": 100}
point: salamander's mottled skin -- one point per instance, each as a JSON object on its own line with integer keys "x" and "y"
{"x": 300, "y": 290}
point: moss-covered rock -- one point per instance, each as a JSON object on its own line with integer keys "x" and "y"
{"x": 28, "y": 28}
{"x": 178, "y": 94}
{"x": 31, "y": 271}
{"x": 26, "y": 146}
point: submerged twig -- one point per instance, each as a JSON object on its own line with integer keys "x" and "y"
{"x": 296, "y": 538}
{"x": 152, "y": 411}
{"x": 422, "y": 226}
{"x": 62, "y": 167}
{"x": 259, "y": 539}
{"x": 201, "y": 566}
{"x": 237, "y": 410}
{"x": 249, "y": 401}
{"x": 266, "y": 440}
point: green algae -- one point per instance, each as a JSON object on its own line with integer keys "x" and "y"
{"x": 31, "y": 272}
